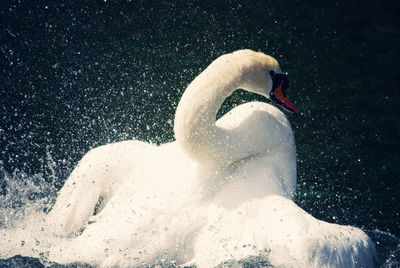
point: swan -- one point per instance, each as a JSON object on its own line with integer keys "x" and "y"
{"x": 222, "y": 191}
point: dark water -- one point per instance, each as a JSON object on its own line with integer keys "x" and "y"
{"x": 78, "y": 74}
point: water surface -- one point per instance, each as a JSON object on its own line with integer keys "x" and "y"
{"x": 79, "y": 74}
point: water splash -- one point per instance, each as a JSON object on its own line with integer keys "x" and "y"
{"x": 22, "y": 195}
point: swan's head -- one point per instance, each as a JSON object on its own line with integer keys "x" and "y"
{"x": 262, "y": 75}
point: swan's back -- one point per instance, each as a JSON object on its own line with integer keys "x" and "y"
{"x": 259, "y": 124}
{"x": 263, "y": 134}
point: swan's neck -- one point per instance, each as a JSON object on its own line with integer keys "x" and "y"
{"x": 195, "y": 117}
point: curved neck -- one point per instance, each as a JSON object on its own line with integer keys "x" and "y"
{"x": 195, "y": 117}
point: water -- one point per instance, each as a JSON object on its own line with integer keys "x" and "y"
{"x": 78, "y": 75}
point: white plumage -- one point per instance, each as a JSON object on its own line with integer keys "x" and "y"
{"x": 222, "y": 191}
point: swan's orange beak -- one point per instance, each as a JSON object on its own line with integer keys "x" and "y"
{"x": 278, "y": 95}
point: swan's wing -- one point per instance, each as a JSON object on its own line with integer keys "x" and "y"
{"x": 100, "y": 172}
{"x": 276, "y": 228}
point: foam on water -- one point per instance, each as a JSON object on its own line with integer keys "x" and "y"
{"x": 23, "y": 196}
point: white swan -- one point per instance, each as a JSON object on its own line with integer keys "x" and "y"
{"x": 222, "y": 191}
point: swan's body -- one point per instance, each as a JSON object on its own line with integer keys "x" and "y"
{"x": 222, "y": 191}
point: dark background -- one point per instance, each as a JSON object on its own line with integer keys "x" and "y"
{"x": 78, "y": 74}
